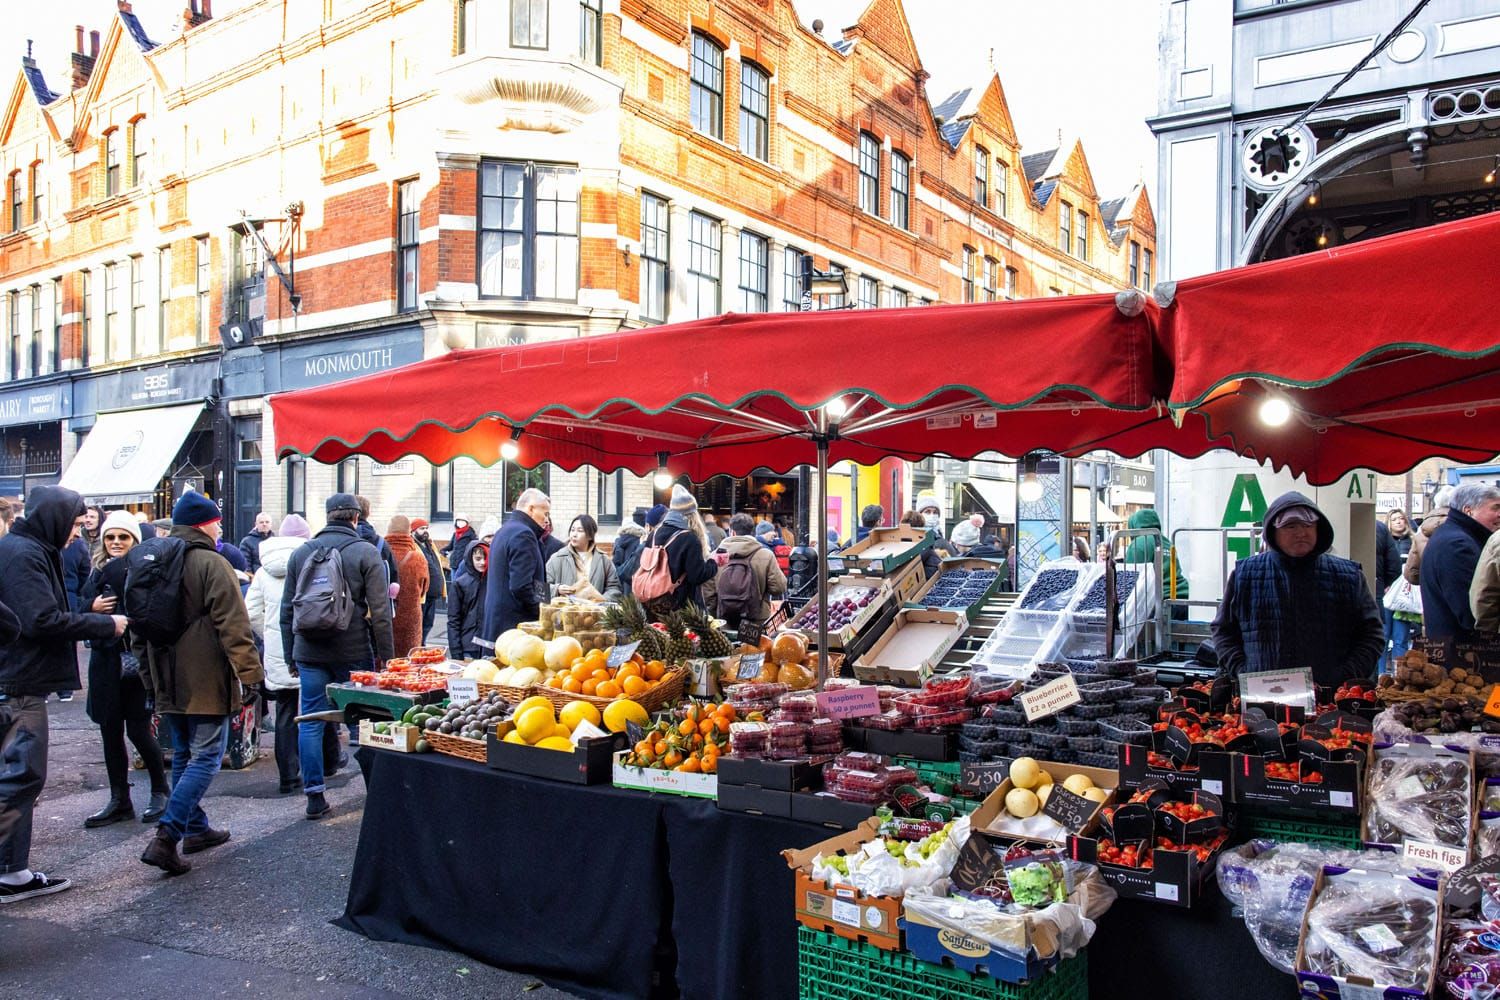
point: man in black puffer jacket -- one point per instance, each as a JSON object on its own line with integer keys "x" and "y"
{"x": 43, "y": 658}
{"x": 1294, "y": 605}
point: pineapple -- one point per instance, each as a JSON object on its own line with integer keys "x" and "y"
{"x": 711, "y": 642}
{"x": 679, "y": 646}
{"x": 653, "y": 644}
{"x": 631, "y": 619}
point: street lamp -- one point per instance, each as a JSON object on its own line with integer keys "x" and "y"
{"x": 23, "y": 471}
{"x": 820, "y": 283}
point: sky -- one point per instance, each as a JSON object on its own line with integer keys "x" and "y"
{"x": 1087, "y": 67}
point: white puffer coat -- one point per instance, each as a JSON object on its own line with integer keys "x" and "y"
{"x": 263, "y": 600}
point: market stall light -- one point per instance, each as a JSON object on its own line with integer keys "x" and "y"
{"x": 836, "y": 409}
{"x": 663, "y": 479}
{"x": 1489, "y": 178}
{"x": 511, "y": 450}
{"x": 1275, "y": 411}
{"x": 1030, "y": 488}
{"x": 1317, "y": 192}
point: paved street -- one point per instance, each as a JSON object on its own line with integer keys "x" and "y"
{"x": 250, "y": 920}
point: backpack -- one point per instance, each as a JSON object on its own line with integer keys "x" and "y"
{"x": 321, "y": 602}
{"x": 653, "y": 581}
{"x": 153, "y": 590}
{"x": 739, "y": 591}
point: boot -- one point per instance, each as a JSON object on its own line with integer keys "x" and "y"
{"x": 118, "y": 808}
{"x": 156, "y": 809}
{"x": 162, "y": 853}
{"x": 317, "y": 806}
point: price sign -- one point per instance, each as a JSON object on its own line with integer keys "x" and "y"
{"x": 620, "y": 655}
{"x": 1282, "y": 687}
{"x": 586, "y": 730}
{"x": 750, "y": 665}
{"x": 849, "y": 703}
{"x": 635, "y": 732}
{"x": 1050, "y": 698}
{"x": 1492, "y": 707}
{"x": 983, "y": 778}
{"x": 462, "y": 690}
{"x": 1072, "y": 811}
{"x": 1425, "y": 855}
{"x": 1463, "y": 885}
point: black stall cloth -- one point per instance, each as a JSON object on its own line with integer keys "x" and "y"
{"x": 600, "y": 892}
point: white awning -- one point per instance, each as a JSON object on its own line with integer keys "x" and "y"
{"x": 1102, "y": 514}
{"x": 998, "y": 494}
{"x": 126, "y": 454}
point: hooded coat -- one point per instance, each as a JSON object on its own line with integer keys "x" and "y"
{"x": 203, "y": 672}
{"x": 411, "y": 573}
{"x": 518, "y": 578}
{"x": 43, "y": 658}
{"x": 1420, "y": 536}
{"x": 263, "y": 602}
{"x": 369, "y": 636}
{"x": 768, "y": 574}
{"x": 1284, "y": 613}
{"x": 1142, "y": 549}
{"x": 1448, "y": 565}
{"x": 627, "y": 550}
{"x": 466, "y": 608}
{"x": 691, "y": 569}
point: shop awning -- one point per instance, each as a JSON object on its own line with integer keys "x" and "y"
{"x": 996, "y": 496}
{"x": 126, "y": 454}
{"x": 1102, "y": 513}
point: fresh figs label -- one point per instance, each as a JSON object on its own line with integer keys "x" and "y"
{"x": 1072, "y": 811}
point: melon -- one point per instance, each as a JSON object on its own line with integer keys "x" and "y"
{"x": 556, "y": 743}
{"x": 487, "y": 672}
{"x": 505, "y": 674}
{"x": 502, "y": 644}
{"x": 575, "y": 712}
{"x": 527, "y": 651}
{"x": 535, "y": 701}
{"x": 525, "y": 677}
{"x": 536, "y": 724}
{"x": 562, "y": 651}
{"x": 621, "y": 711}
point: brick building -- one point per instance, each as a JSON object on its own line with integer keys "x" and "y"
{"x": 288, "y": 195}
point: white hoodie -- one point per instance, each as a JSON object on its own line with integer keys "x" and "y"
{"x": 263, "y": 601}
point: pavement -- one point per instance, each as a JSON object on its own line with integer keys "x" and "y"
{"x": 252, "y": 919}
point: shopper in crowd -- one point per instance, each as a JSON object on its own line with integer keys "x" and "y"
{"x": 988, "y": 546}
{"x": 236, "y": 558}
{"x": 1080, "y": 549}
{"x": 748, "y": 578}
{"x": 1397, "y": 523}
{"x": 689, "y": 558}
{"x": 41, "y": 658}
{"x": 627, "y": 554}
{"x": 1434, "y": 519}
{"x": 488, "y": 530}
{"x": 869, "y": 520}
{"x": 368, "y": 533}
{"x": 517, "y": 571}
{"x": 324, "y": 656}
{"x": 91, "y": 534}
{"x": 579, "y": 569}
{"x": 1451, "y": 558}
{"x": 1484, "y": 592}
{"x": 931, "y": 558}
{"x": 436, "y": 591}
{"x": 466, "y": 605}
{"x": 199, "y": 683}
{"x": 1142, "y": 549}
{"x": 118, "y": 700}
{"x": 712, "y": 531}
{"x": 7, "y": 514}
{"x": 551, "y": 544}
{"x": 1294, "y": 605}
{"x": 965, "y": 536}
{"x": 654, "y": 515}
{"x": 250, "y": 544}
{"x": 463, "y": 537}
{"x": 767, "y": 535}
{"x": 162, "y": 526}
{"x": 78, "y": 563}
{"x": 263, "y": 601}
{"x": 411, "y": 574}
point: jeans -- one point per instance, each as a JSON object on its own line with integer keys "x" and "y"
{"x": 23, "y": 772}
{"x": 199, "y": 743}
{"x": 315, "y": 678}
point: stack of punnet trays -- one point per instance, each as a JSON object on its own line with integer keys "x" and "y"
{"x": 1033, "y": 630}
{"x": 1138, "y": 593}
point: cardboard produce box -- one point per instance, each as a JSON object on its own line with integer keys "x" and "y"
{"x": 1329, "y": 987}
{"x": 843, "y": 909}
{"x": 590, "y": 763}
{"x": 920, "y": 598}
{"x": 882, "y": 597}
{"x": 993, "y": 807}
{"x": 1214, "y": 773}
{"x": 403, "y": 739}
{"x": 650, "y": 779}
{"x": 911, "y": 648}
{"x": 822, "y": 809}
{"x": 884, "y": 550}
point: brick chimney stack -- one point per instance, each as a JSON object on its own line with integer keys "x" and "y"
{"x": 197, "y": 12}
{"x": 82, "y": 63}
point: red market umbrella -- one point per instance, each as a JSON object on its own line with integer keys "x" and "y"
{"x": 1375, "y": 355}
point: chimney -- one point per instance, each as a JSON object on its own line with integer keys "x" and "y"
{"x": 124, "y": 6}
{"x": 93, "y": 44}
{"x": 82, "y": 64}
{"x": 196, "y": 13}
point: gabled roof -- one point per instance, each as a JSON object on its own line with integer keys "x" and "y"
{"x": 1043, "y": 192}
{"x": 1036, "y": 165}
{"x": 136, "y": 30}
{"x": 37, "y": 82}
{"x": 885, "y": 25}
{"x": 1109, "y": 211}
{"x": 948, "y": 109}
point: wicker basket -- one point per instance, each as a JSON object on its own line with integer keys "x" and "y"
{"x": 458, "y": 746}
{"x": 660, "y": 695}
{"x": 1392, "y": 695}
{"x": 514, "y": 695}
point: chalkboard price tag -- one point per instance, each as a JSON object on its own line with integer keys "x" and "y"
{"x": 462, "y": 690}
{"x": 1072, "y": 811}
{"x": 634, "y": 731}
{"x": 750, "y": 664}
{"x": 620, "y": 655}
{"x": 984, "y": 777}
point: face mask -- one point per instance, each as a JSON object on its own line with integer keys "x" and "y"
{"x": 931, "y": 520}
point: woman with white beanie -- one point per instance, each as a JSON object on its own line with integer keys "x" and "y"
{"x": 119, "y": 699}
{"x": 263, "y": 601}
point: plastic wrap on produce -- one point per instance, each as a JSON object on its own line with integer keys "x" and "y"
{"x": 874, "y": 870}
{"x": 1373, "y": 926}
{"x": 1061, "y": 929}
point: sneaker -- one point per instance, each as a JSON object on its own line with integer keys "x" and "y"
{"x": 40, "y": 885}
{"x": 193, "y": 843}
{"x": 317, "y": 806}
{"x": 162, "y": 853}
{"x": 65, "y": 696}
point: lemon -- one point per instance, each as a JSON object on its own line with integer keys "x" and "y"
{"x": 576, "y": 711}
{"x": 536, "y": 723}
{"x": 622, "y": 711}
{"x": 535, "y": 701}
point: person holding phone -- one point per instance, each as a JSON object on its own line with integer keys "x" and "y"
{"x": 118, "y": 699}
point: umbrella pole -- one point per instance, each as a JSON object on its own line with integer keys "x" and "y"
{"x": 820, "y": 526}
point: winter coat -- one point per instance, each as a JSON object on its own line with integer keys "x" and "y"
{"x": 43, "y": 658}
{"x": 263, "y": 602}
{"x": 457, "y": 548}
{"x": 105, "y": 655}
{"x": 1142, "y": 549}
{"x": 1484, "y": 592}
{"x": 551, "y": 546}
{"x": 1281, "y": 613}
{"x": 768, "y": 575}
{"x": 690, "y": 567}
{"x": 436, "y": 591}
{"x": 1419, "y": 539}
{"x": 250, "y": 549}
{"x": 202, "y": 673}
{"x": 369, "y": 534}
{"x": 715, "y": 535}
{"x": 78, "y": 563}
{"x": 465, "y": 615}
{"x": 517, "y": 575}
{"x": 1448, "y": 565}
{"x": 562, "y": 571}
{"x": 10, "y": 626}
{"x": 369, "y": 637}
{"x": 1387, "y": 558}
{"x": 411, "y": 570}
{"x": 231, "y": 552}
{"x": 627, "y": 557}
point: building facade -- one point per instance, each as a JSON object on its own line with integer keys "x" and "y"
{"x": 290, "y": 195}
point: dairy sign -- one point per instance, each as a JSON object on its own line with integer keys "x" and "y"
{"x": 34, "y": 406}
{"x": 323, "y": 362}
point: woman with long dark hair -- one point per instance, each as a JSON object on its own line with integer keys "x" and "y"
{"x": 579, "y": 569}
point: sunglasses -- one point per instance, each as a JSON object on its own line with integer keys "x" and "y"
{"x": 119, "y": 536}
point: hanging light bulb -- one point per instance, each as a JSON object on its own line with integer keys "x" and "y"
{"x": 1489, "y": 178}
{"x": 1317, "y": 193}
{"x": 510, "y": 450}
{"x": 1322, "y": 237}
{"x": 836, "y": 409}
{"x": 1275, "y": 411}
{"x": 663, "y": 479}
{"x": 1030, "y": 490}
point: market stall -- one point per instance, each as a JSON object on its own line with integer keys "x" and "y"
{"x": 1177, "y": 778}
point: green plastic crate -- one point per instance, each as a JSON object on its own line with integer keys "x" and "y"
{"x": 941, "y": 775}
{"x": 1303, "y": 831}
{"x": 833, "y": 968}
